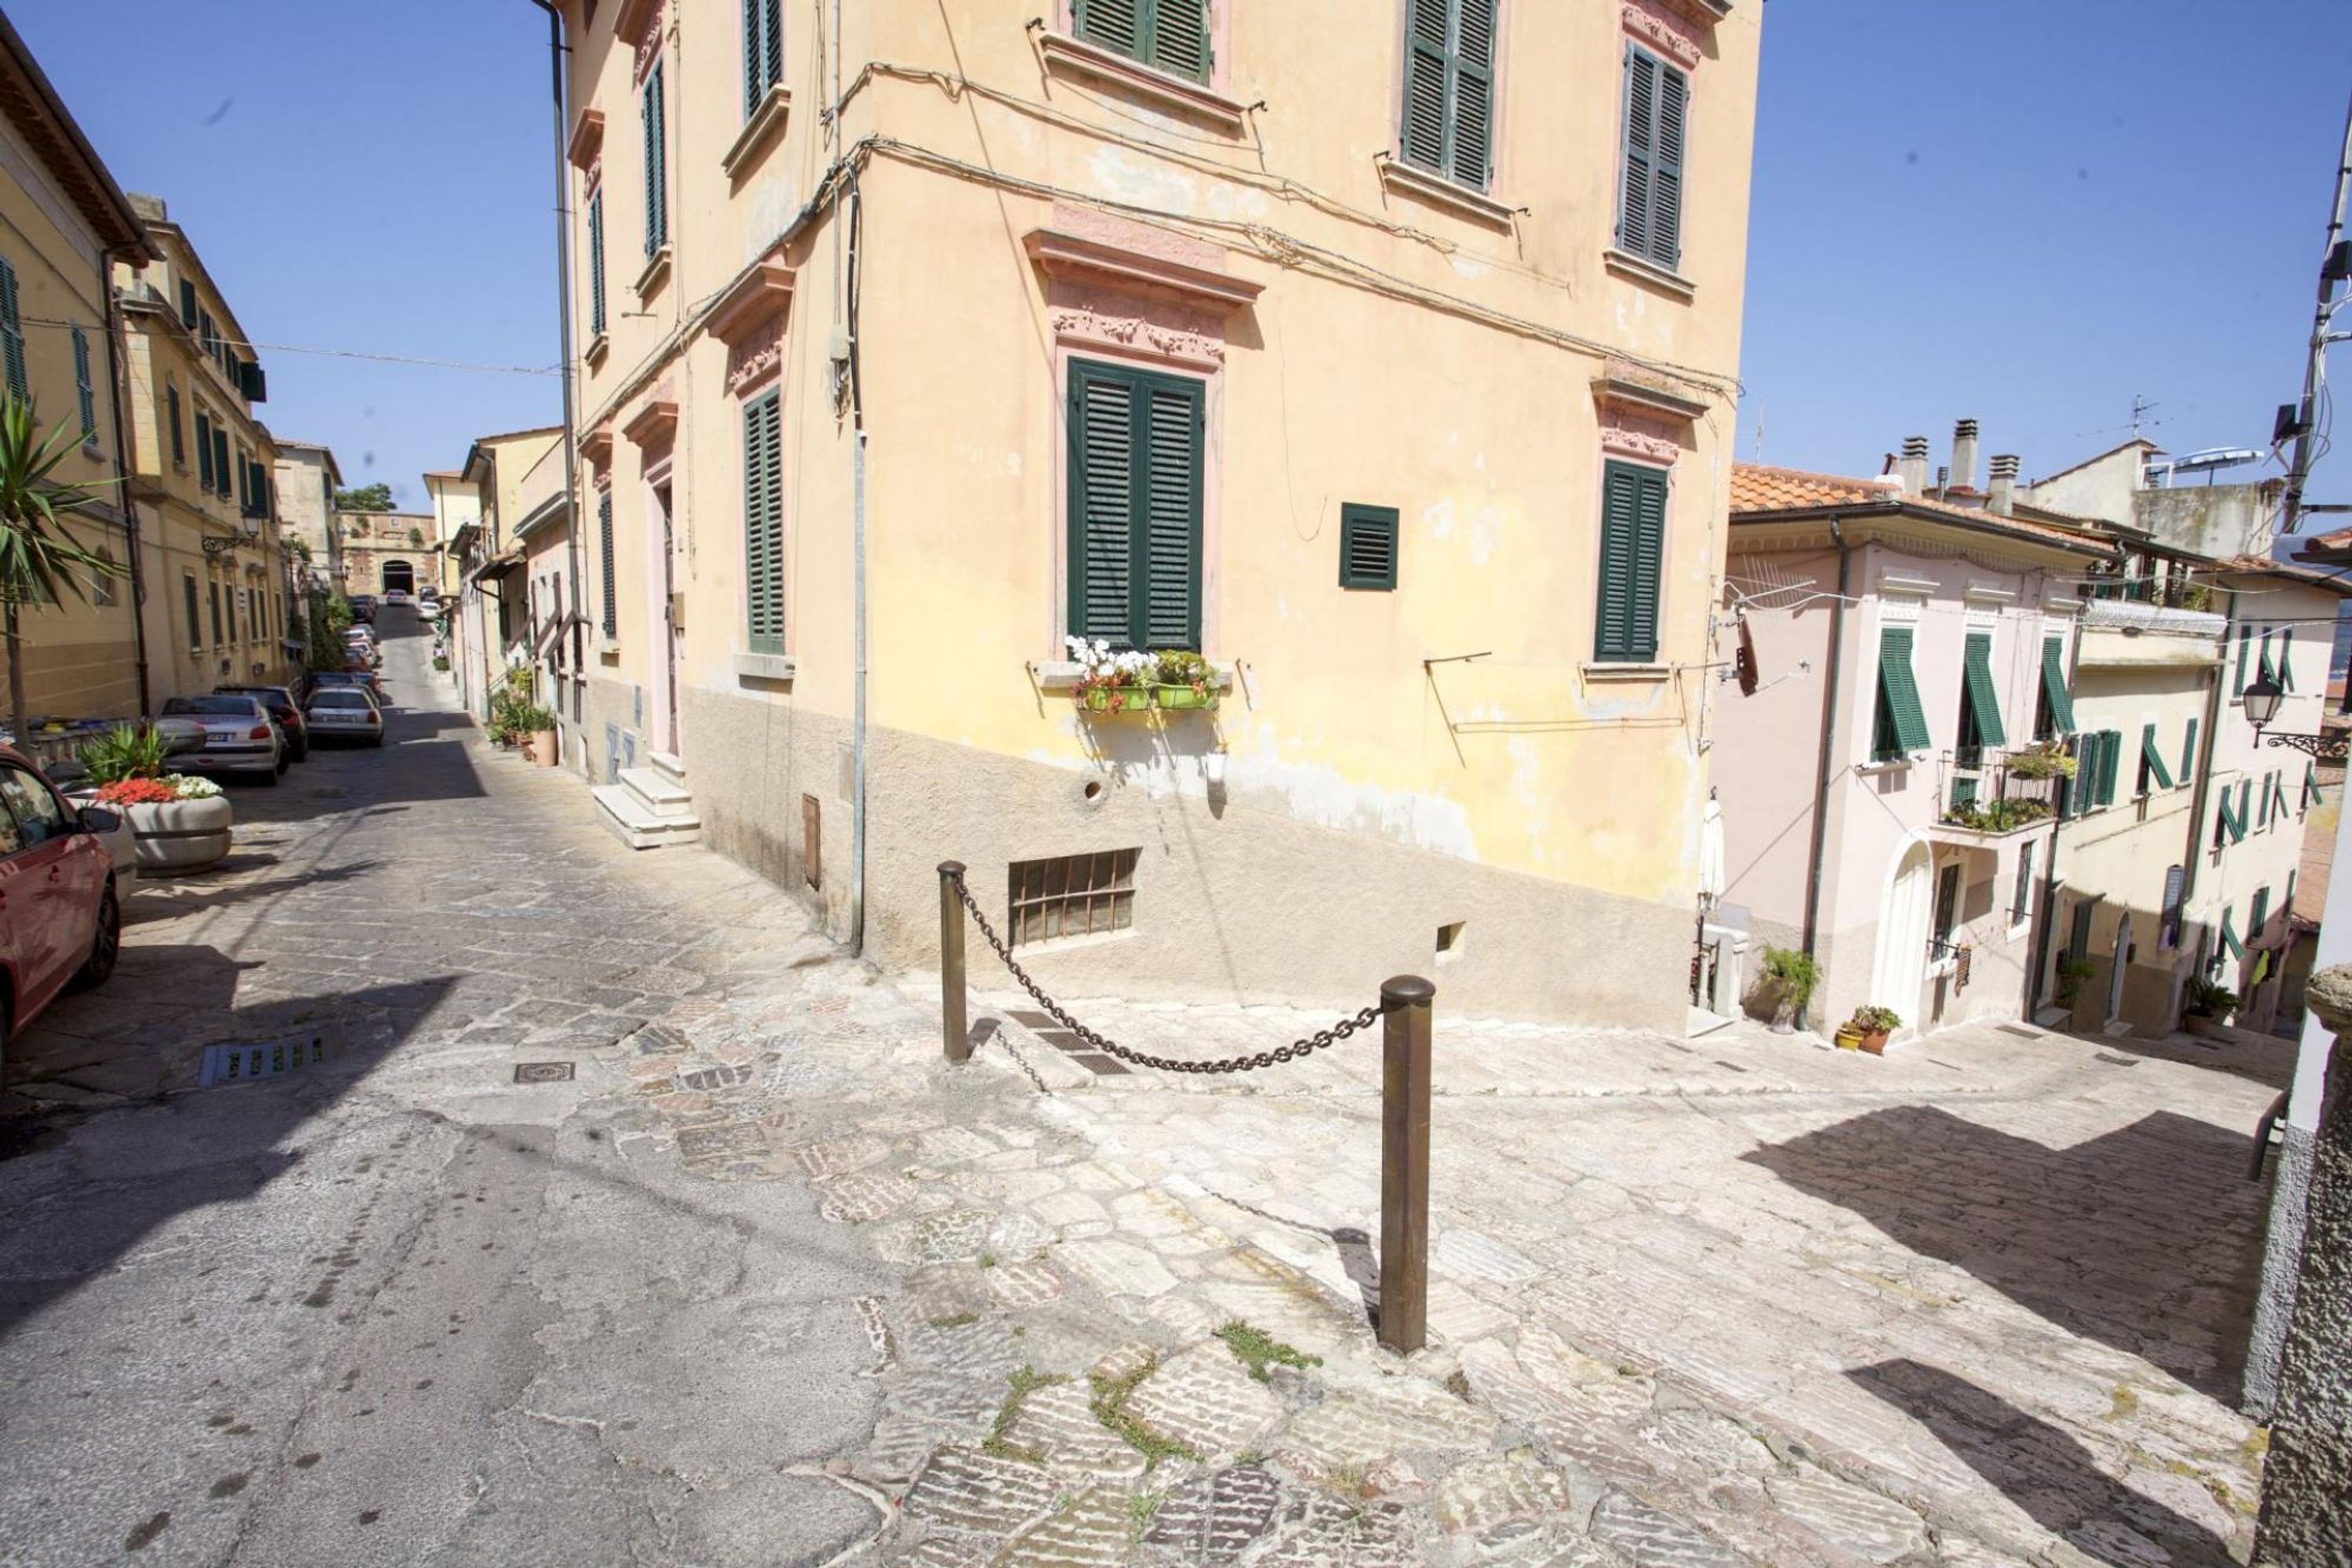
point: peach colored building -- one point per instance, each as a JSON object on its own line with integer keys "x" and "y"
{"x": 1386, "y": 362}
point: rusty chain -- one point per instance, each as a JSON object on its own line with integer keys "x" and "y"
{"x": 1294, "y": 1051}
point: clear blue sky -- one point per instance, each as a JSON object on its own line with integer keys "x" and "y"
{"x": 2027, "y": 212}
{"x": 366, "y": 177}
{"x": 2023, "y": 211}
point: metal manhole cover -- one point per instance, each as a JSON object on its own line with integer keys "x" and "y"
{"x": 544, "y": 1072}
{"x": 249, "y": 1060}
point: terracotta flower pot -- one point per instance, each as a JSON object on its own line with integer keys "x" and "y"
{"x": 1874, "y": 1041}
{"x": 182, "y": 835}
{"x": 544, "y": 748}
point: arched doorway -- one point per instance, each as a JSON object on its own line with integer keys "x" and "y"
{"x": 1899, "y": 968}
{"x": 399, "y": 577}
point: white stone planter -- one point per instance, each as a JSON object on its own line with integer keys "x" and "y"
{"x": 182, "y": 835}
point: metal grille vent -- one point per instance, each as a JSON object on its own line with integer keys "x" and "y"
{"x": 242, "y": 1063}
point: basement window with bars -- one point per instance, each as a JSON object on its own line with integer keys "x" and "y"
{"x": 1071, "y": 896}
{"x": 1368, "y": 546}
{"x": 1171, "y": 35}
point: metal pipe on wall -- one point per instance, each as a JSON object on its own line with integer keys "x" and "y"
{"x": 563, "y": 307}
{"x": 1835, "y": 661}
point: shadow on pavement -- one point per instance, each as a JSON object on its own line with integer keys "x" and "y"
{"x": 213, "y": 1146}
{"x": 2043, "y": 1470}
{"x": 2147, "y": 1238}
{"x": 181, "y": 896}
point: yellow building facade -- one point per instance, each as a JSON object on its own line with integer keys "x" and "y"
{"x": 63, "y": 225}
{"x": 1390, "y": 367}
{"x": 205, "y": 468}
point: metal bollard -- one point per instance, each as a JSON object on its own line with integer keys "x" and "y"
{"x": 955, "y": 1038}
{"x": 1404, "y": 1164}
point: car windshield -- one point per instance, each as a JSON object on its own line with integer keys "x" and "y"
{"x": 347, "y": 696}
{"x": 241, "y": 706}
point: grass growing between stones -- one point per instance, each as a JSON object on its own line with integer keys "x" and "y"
{"x": 956, "y": 1320}
{"x": 1026, "y": 1380}
{"x": 1258, "y": 1350}
{"x": 1109, "y": 1405}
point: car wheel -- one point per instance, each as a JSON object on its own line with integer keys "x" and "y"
{"x": 106, "y": 945}
{"x": 267, "y": 776}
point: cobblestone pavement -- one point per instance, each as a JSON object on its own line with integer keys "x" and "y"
{"x": 763, "y": 1280}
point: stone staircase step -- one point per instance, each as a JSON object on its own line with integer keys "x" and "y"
{"x": 663, "y": 795}
{"x": 637, "y": 824}
{"x": 668, "y": 762}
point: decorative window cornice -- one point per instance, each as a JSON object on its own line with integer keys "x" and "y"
{"x": 763, "y": 292}
{"x": 596, "y": 445}
{"x": 1663, "y": 27}
{"x": 587, "y": 139}
{"x": 654, "y": 423}
{"x": 1069, "y": 258}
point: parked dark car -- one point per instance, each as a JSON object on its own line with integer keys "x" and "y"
{"x": 362, "y": 607}
{"x": 59, "y": 916}
{"x": 285, "y": 705}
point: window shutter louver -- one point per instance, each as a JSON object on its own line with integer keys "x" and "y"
{"x": 1899, "y": 692}
{"x": 187, "y": 304}
{"x": 1633, "y": 546}
{"x": 763, "y": 504}
{"x": 2258, "y": 914}
{"x": 1666, "y": 177}
{"x": 1137, "y": 450}
{"x": 172, "y": 414}
{"x": 1984, "y": 697}
{"x": 1102, "y": 463}
{"x": 1424, "y": 86}
{"x": 1172, "y": 542}
{"x": 2189, "y": 753}
{"x": 753, "y": 86}
{"x": 2245, "y": 647}
{"x": 12, "y": 332}
{"x": 596, "y": 263}
{"x": 220, "y": 458}
{"x": 2053, "y": 685}
{"x": 1180, "y": 37}
{"x": 2286, "y": 659}
{"x": 84, "y": 395}
{"x": 771, "y": 41}
{"x": 1449, "y": 89}
{"x": 2158, "y": 775}
{"x": 1641, "y": 129}
{"x": 1114, "y": 23}
{"x": 605, "y": 563}
{"x": 1368, "y": 546}
{"x": 203, "y": 451}
{"x": 1473, "y": 92}
{"x": 656, "y": 170}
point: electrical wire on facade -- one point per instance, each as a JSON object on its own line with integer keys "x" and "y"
{"x": 337, "y": 354}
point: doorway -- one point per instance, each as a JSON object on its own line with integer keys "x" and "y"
{"x": 1899, "y": 967}
{"x": 661, "y": 619}
{"x": 399, "y": 577}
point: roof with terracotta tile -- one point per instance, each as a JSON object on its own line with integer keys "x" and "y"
{"x": 2316, "y": 576}
{"x": 1757, "y": 491}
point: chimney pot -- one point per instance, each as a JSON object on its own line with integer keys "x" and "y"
{"x": 1913, "y": 466}
{"x": 1963, "y": 454}
{"x": 2004, "y": 491}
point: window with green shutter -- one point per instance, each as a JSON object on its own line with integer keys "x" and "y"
{"x": 1632, "y": 551}
{"x": 1172, "y": 35}
{"x": 203, "y": 451}
{"x": 2153, "y": 774}
{"x": 1650, "y": 183}
{"x": 1368, "y": 546}
{"x": 217, "y": 638}
{"x": 763, "y": 522}
{"x": 2262, "y": 663}
{"x": 612, "y": 620}
{"x": 85, "y": 395}
{"x": 763, "y": 50}
{"x": 1980, "y": 724}
{"x": 2229, "y": 942}
{"x": 2111, "y": 753}
{"x": 188, "y": 317}
{"x": 171, "y": 418}
{"x": 2054, "y": 713}
{"x": 1901, "y": 725}
{"x": 2245, "y": 649}
{"x": 1137, "y": 447}
{"x": 2311, "y": 791}
{"x": 220, "y": 459}
{"x": 1449, "y": 89}
{"x": 2188, "y": 754}
{"x": 2286, "y": 659}
{"x": 2258, "y": 914}
{"x": 656, "y": 138}
{"x": 12, "y": 333}
{"x": 2278, "y": 797}
{"x": 596, "y": 262}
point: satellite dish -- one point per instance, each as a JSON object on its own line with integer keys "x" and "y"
{"x": 2213, "y": 458}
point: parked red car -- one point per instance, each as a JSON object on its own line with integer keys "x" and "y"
{"x": 59, "y": 921}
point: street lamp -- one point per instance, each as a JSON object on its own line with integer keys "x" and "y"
{"x": 2263, "y": 703}
{"x": 2261, "y": 699}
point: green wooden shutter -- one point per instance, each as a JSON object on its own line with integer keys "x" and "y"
{"x": 203, "y": 451}
{"x": 1473, "y": 92}
{"x": 2278, "y": 796}
{"x": 657, "y": 173}
{"x": 172, "y": 416}
{"x": 1170, "y": 546}
{"x": 2286, "y": 659}
{"x": 2188, "y": 754}
{"x": 1368, "y": 546}
{"x": 2053, "y": 685}
{"x": 187, "y": 304}
{"x": 2245, "y": 648}
{"x": 753, "y": 86}
{"x": 764, "y": 522}
{"x": 2152, "y": 761}
{"x": 1102, "y": 488}
{"x": 1650, "y": 184}
{"x": 611, "y": 621}
{"x": 1633, "y": 547}
{"x": 2230, "y": 933}
{"x": 2287, "y": 904}
{"x": 2269, "y": 672}
{"x": 596, "y": 262}
{"x": 1180, "y": 37}
{"x": 2258, "y": 915}
{"x": 763, "y": 50}
{"x": 1984, "y": 697}
{"x": 1899, "y": 692}
{"x": 2245, "y": 809}
{"x": 1114, "y": 23}
{"x": 83, "y": 392}
{"x": 12, "y": 333}
{"x": 1449, "y": 88}
{"x": 771, "y": 41}
{"x": 1423, "y": 134}
{"x": 220, "y": 458}
{"x": 2311, "y": 791}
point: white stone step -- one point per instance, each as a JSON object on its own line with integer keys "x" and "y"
{"x": 620, "y": 809}
{"x": 668, "y": 762}
{"x": 663, "y": 795}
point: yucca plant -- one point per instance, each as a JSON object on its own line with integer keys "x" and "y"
{"x": 125, "y": 752}
{"x": 37, "y": 556}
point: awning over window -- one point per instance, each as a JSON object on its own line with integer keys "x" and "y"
{"x": 1899, "y": 691}
{"x": 1983, "y": 699}
{"x": 2161, "y": 775}
{"x": 2053, "y": 684}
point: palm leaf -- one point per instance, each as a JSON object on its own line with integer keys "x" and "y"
{"x": 38, "y": 552}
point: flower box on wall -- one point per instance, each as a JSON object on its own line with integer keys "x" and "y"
{"x": 1179, "y": 698}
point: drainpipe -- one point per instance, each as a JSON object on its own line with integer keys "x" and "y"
{"x": 564, "y": 305}
{"x": 858, "y": 535}
{"x": 1828, "y": 745}
{"x": 2045, "y": 927}
{"x": 2198, "y": 797}
{"x": 115, "y": 373}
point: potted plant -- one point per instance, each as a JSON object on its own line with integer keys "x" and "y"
{"x": 2073, "y": 971}
{"x": 2205, "y": 1004}
{"x": 1789, "y": 974}
{"x": 1182, "y": 679}
{"x": 2047, "y": 761}
{"x": 178, "y": 823}
{"x": 537, "y": 725}
{"x": 1871, "y": 1025}
{"x": 1112, "y": 683}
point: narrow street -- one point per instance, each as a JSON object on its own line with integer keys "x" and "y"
{"x": 625, "y": 1220}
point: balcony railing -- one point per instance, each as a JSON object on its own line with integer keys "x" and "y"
{"x": 1988, "y": 795}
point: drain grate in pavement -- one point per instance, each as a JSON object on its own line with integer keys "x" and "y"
{"x": 2113, "y": 1060}
{"x": 243, "y": 1063}
{"x": 544, "y": 1072}
{"x": 714, "y": 1078}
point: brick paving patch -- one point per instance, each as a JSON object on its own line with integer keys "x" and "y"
{"x": 1203, "y": 1400}
{"x": 1212, "y": 1520}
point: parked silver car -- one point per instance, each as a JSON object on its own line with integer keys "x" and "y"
{"x": 344, "y": 714}
{"x": 239, "y": 736}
